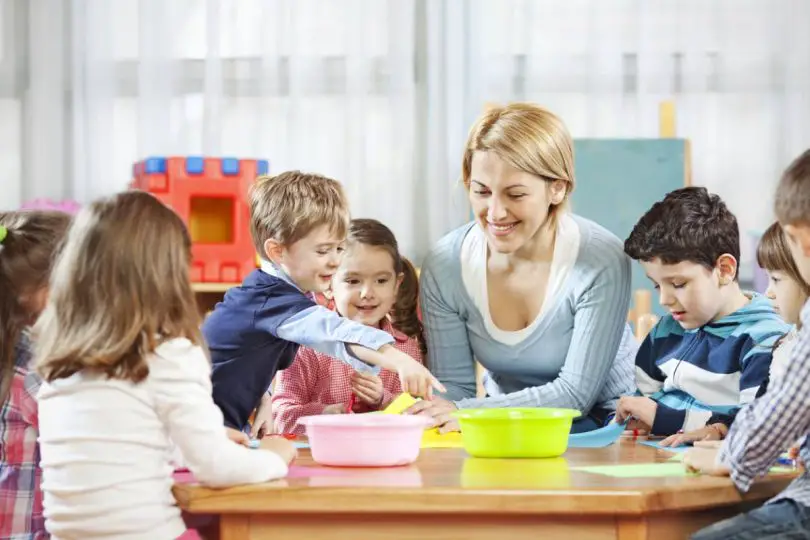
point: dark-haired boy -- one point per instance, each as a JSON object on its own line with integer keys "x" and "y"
{"x": 712, "y": 351}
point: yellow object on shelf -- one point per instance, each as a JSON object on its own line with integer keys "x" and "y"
{"x": 212, "y": 287}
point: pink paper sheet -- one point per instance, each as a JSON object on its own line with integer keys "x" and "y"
{"x": 184, "y": 476}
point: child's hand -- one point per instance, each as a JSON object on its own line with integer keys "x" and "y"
{"x": 635, "y": 428}
{"x": 368, "y": 387}
{"x": 703, "y": 459}
{"x": 337, "y": 408}
{"x": 793, "y": 453}
{"x": 237, "y": 436}
{"x": 638, "y": 407}
{"x": 713, "y": 432}
{"x": 281, "y": 446}
{"x": 415, "y": 378}
{"x": 263, "y": 421}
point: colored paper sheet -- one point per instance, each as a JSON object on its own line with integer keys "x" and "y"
{"x": 433, "y": 439}
{"x": 303, "y": 471}
{"x": 640, "y": 470}
{"x": 598, "y": 438}
{"x": 400, "y": 404}
{"x": 184, "y": 476}
{"x": 674, "y": 449}
{"x": 671, "y": 468}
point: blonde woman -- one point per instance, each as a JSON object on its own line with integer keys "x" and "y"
{"x": 537, "y": 295}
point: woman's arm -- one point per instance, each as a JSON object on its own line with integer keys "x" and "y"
{"x": 449, "y": 356}
{"x": 599, "y": 322}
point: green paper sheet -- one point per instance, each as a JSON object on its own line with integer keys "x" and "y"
{"x": 641, "y": 470}
{"x": 673, "y": 467}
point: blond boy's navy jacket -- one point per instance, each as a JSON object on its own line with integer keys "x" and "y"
{"x": 257, "y": 329}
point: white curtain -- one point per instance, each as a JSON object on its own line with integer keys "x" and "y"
{"x": 380, "y": 93}
{"x": 737, "y": 70}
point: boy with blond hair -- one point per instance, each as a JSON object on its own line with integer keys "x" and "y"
{"x": 762, "y": 430}
{"x": 298, "y": 223}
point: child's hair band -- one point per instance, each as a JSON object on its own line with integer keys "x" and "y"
{"x": 3, "y": 233}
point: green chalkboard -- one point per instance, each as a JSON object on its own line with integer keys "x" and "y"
{"x": 617, "y": 180}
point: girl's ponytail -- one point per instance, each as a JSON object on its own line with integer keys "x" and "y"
{"x": 405, "y": 313}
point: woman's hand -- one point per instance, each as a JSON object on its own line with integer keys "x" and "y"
{"x": 440, "y": 410}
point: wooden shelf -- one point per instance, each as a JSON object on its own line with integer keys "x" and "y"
{"x": 212, "y": 287}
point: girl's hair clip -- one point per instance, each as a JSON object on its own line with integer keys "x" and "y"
{"x": 3, "y": 233}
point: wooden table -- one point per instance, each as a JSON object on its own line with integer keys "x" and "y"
{"x": 447, "y": 494}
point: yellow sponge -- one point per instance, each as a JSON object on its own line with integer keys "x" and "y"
{"x": 400, "y": 404}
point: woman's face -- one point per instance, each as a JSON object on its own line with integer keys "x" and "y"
{"x": 510, "y": 205}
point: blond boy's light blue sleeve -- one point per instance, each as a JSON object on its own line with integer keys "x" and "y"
{"x": 329, "y": 333}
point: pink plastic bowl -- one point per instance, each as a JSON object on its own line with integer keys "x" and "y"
{"x": 364, "y": 440}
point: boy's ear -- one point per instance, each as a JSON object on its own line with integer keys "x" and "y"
{"x": 726, "y": 267}
{"x": 273, "y": 251}
{"x": 799, "y": 235}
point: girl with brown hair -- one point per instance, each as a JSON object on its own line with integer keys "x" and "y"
{"x": 28, "y": 244}
{"x": 376, "y": 286}
{"x": 128, "y": 379}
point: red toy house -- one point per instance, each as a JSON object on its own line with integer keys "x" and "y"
{"x": 210, "y": 195}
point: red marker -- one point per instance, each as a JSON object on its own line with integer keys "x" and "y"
{"x": 352, "y": 401}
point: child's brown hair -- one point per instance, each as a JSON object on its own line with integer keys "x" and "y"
{"x": 29, "y": 243}
{"x": 404, "y": 314}
{"x": 290, "y": 205}
{"x": 119, "y": 289}
{"x": 773, "y": 254}
{"x": 792, "y": 201}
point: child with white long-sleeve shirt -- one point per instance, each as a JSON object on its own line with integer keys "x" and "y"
{"x": 127, "y": 380}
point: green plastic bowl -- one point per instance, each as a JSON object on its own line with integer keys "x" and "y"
{"x": 515, "y": 432}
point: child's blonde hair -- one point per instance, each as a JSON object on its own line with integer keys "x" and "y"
{"x": 28, "y": 245}
{"x": 119, "y": 289}
{"x": 530, "y": 139}
{"x": 290, "y": 205}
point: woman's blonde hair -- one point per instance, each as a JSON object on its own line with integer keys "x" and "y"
{"x": 120, "y": 287}
{"x": 529, "y": 138}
